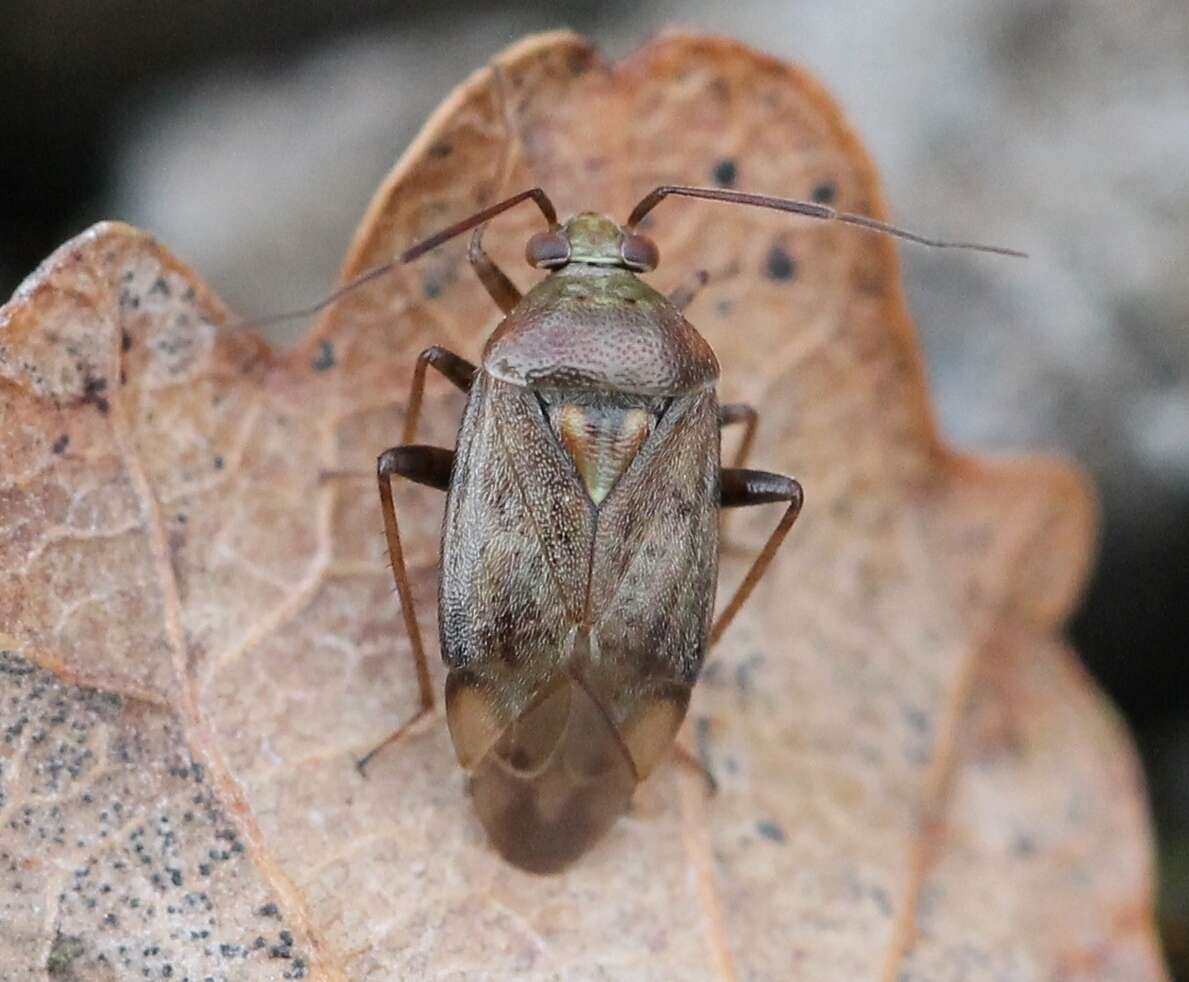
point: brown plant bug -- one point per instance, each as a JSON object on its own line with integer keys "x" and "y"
{"x": 580, "y": 544}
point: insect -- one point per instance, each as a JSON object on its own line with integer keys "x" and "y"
{"x": 579, "y": 552}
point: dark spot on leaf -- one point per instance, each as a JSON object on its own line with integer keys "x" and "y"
{"x": 880, "y": 896}
{"x": 218, "y": 463}
{"x": 125, "y": 341}
{"x": 160, "y": 286}
{"x": 1024, "y": 845}
{"x": 825, "y": 193}
{"x": 93, "y": 389}
{"x": 60, "y": 444}
{"x": 770, "y": 830}
{"x": 63, "y": 951}
{"x": 268, "y": 910}
{"x": 744, "y": 670}
{"x": 702, "y": 739}
{"x": 712, "y": 675}
{"x": 779, "y": 265}
{"x": 324, "y": 359}
{"x": 441, "y": 149}
{"x": 578, "y": 61}
{"x": 725, "y": 172}
{"x": 916, "y": 718}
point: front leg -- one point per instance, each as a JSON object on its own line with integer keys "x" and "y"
{"x": 501, "y": 289}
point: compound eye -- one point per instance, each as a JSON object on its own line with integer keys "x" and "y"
{"x": 547, "y": 250}
{"x": 639, "y": 252}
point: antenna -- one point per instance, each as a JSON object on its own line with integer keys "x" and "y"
{"x": 810, "y": 209}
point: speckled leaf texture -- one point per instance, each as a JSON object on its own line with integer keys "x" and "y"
{"x": 917, "y": 780}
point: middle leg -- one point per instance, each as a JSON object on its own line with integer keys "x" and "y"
{"x": 741, "y": 489}
{"x": 501, "y": 289}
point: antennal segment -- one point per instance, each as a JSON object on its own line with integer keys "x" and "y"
{"x": 540, "y": 199}
{"x": 809, "y": 209}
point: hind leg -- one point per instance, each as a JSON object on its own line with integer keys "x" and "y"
{"x": 429, "y": 466}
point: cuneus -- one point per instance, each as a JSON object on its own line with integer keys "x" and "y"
{"x": 580, "y": 544}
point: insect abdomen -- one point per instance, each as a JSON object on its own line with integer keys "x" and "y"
{"x": 555, "y": 781}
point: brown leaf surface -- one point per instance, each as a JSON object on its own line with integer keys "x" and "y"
{"x": 918, "y": 781}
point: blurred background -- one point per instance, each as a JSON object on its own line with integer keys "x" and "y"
{"x": 249, "y": 136}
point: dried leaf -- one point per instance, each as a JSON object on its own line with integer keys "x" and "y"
{"x": 917, "y": 780}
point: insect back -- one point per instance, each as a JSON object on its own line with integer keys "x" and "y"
{"x": 579, "y": 552}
